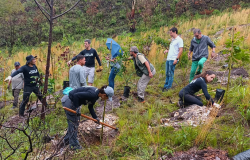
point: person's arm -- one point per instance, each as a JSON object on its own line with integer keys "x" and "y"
{"x": 212, "y": 45}
{"x": 74, "y": 58}
{"x": 179, "y": 55}
{"x": 190, "y": 51}
{"x": 149, "y": 71}
{"x": 91, "y": 110}
{"x": 20, "y": 70}
{"x": 98, "y": 59}
{"x": 204, "y": 90}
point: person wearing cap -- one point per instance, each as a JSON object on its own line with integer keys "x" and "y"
{"x": 30, "y": 73}
{"x": 77, "y": 77}
{"x": 144, "y": 69}
{"x": 81, "y": 96}
{"x": 17, "y": 84}
{"x": 199, "y": 47}
{"x": 90, "y": 55}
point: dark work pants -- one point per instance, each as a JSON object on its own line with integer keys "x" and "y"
{"x": 15, "y": 93}
{"x": 73, "y": 123}
{"x": 189, "y": 99}
{"x": 26, "y": 95}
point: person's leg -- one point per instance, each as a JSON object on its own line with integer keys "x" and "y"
{"x": 190, "y": 100}
{"x": 73, "y": 123}
{"x": 193, "y": 70}
{"x": 167, "y": 75}
{"x": 201, "y": 64}
{"x": 142, "y": 84}
{"x": 170, "y": 74}
{"x": 38, "y": 94}
{"x": 91, "y": 76}
{"x": 16, "y": 96}
{"x": 26, "y": 95}
{"x": 112, "y": 78}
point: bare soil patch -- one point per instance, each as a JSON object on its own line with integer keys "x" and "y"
{"x": 194, "y": 154}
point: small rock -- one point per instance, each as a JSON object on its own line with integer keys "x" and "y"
{"x": 217, "y": 158}
{"x": 176, "y": 114}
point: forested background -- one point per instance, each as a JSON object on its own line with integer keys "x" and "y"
{"x": 22, "y": 23}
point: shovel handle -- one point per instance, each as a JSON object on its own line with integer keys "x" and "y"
{"x": 72, "y": 111}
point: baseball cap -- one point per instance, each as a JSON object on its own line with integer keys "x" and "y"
{"x": 109, "y": 92}
{"x": 134, "y": 49}
{"x": 30, "y": 58}
{"x": 16, "y": 64}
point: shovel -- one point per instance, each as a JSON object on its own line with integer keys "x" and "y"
{"x": 72, "y": 111}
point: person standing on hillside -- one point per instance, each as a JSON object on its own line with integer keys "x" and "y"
{"x": 30, "y": 73}
{"x": 17, "y": 84}
{"x": 199, "y": 47}
{"x": 90, "y": 54}
{"x": 77, "y": 77}
{"x": 144, "y": 69}
{"x": 174, "y": 54}
{"x": 76, "y": 98}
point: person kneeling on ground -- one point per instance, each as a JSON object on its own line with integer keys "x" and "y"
{"x": 187, "y": 96}
{"x": 77, "y": 97}
{"x": 144, "y": 69}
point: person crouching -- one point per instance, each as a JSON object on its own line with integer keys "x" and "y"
{"x": 200, "y": 81}
{"x": 76, "y": 98}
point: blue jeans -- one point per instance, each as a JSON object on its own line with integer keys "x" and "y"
{"x": 170, "y": 67}
{"x": 112, "y": 75}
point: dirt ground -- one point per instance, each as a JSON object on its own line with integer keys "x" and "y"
{"x": 194, "y": 154}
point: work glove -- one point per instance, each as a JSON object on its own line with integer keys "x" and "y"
{"x": 7, "y": 79}
{"x": 78, "y": 111}
{"x": 98, "y": 120}
{"x": 8, "y": 87}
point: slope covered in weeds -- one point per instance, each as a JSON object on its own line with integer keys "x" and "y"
{"x": 141, "y": 134}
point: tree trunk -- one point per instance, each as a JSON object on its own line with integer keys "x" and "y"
{"x": 48, "y": 61}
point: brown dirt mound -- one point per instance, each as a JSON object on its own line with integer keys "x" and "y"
{"x": 235, "y": 72}
{"x": 205, "y": 154}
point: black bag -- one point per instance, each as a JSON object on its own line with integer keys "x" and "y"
{"x": 219, "y": 95}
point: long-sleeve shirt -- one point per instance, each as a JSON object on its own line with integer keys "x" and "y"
{"x": 29, "y": 74}
{"x": 200, "y": 47}
{"x": 77, "y": 77}
{"x": 90, "y": 56}
{"x": 85, "y": 95}
{"x": 195, "y": 85}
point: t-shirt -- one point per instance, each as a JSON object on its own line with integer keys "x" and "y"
{"x": 142, "y": 59}
{"x": 90, "y": 56}
{"x": 17, "y": 81}
{"x": 198, "y": 40}
{"x": 174, "y": 48}
{"x": 29, "y": 73}
{"x": 77, "y": 76}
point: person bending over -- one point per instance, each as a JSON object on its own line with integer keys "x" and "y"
{"x": 76, "y": 98}
{"x": 187, "y": 96}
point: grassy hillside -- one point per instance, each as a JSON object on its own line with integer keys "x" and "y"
{"x": 229, "y": 132}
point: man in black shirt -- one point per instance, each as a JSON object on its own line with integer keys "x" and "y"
{"x": 77, "y": 97}
{"x": 90, "y": 54}
{"x": 30, "y": 73}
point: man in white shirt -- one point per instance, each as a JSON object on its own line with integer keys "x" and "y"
{"x": 174, "y": 53}
{"x": 17, "y": 84}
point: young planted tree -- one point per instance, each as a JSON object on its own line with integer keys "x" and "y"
{"x": 50, "y": 16}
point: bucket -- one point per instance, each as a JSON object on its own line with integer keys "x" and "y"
{"x": 126, "y": 91}
{"x": 219, "y": 95}
{"x": 65, "y": 84}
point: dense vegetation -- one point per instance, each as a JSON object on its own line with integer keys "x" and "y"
{"x": 22, "y": 24}
{"x": 135, "y": 140}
